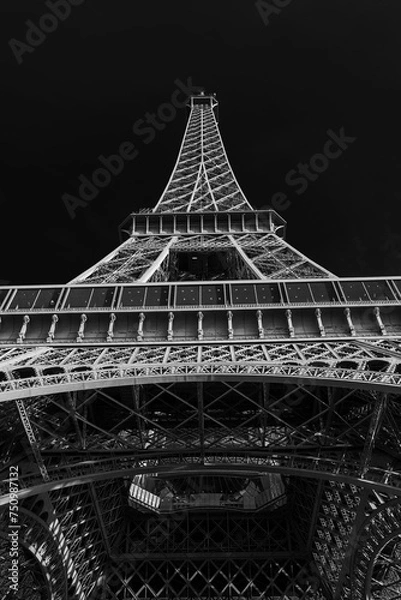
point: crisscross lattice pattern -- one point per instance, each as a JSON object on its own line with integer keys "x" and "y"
{"x": 274, "y": 466}
{"x": 202, "y": 178}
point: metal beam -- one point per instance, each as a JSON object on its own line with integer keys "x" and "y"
{"x": 352, "y": 545}
{"x": 199, "y": 388}
{"x": 99, "y": 516}
{"x": 34, "y": 444}
{"x": 379, "y": 409}
{"x": 156, "y": 264}
{"x": 300, "y": 466}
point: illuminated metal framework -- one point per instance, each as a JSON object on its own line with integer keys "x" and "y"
{"x": 205, "y": 413}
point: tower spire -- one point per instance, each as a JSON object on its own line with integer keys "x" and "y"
{"x": 202, "y": 179}
{"x": 203, "y": 182}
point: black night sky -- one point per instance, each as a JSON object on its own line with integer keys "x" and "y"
{"x": 317, "y": 65}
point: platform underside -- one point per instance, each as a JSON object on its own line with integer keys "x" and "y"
{"x": 213, "y": 489}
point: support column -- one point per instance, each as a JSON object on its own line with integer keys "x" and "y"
{"x": 343, "y": 580}
{"x": 23, "y": 329}
{"x": 230, "y": 328}
{"x": 261, "y": 330}
{"x": 81, "y": 330}
{"x": 52, "y": 330}
{"x": 380, "y": 323}
{"x": 72, "y": 402}
{"x": 141, "y": 321}
{"x": 374, "y": 426}
{"x": 291, "y": 330}
{"x": 32, "y": 439}
{"x": 200, "y": 325}
{"x": 347, "y": 313}
{"x": 170, "y": 329}
{"x": 110, "y": 332}
{"x": 318, "y": 314}
{"x": 99, "y": 516}
{"x": 201, "y": 419}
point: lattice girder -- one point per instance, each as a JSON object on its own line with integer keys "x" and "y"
{"x": 213, "y": 578}
{"x": 294, "y": 428}
{"x": 206, "y": 412}
{"x": 357, "y": 531}
{"x": 202, "y": 177}
{"x": 267, "y": 256}
{"x": 40, "y": 559}
{"x": 344, "y": 364}
{"x": 378, "y": 543}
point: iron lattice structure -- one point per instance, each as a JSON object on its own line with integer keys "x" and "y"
{"x": 205, "y": 413}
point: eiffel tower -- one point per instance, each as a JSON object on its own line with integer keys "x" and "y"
{"x": 205, "y": 413}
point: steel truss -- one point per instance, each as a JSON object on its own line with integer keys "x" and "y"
{"x": 40, "y": 560}
{"x": 53, "y": 370}
{"x": 262, "y": 466}
{"x": 61, "y": 540}
{"x": 259, "y": 256}
{"x": 202, "y": 178}
{"x": 214, "y": 555}
{"x": 212, "y": 578}
{"x": 289, "y": 428}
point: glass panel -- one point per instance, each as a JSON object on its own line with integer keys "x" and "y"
{"x": 298, "y": 292}
{"x": 157, "y": 296}
{"x": 132, "y": 296}
{"x": 243, "y": 294}
{"x": 268, "y": 294}
{"x": 102, "y": 297}
{"x": 236, "y": 221}
{"x": 379, "y": 290}
{"x": 222, "y": 221}
{"x": 323, "y": 291}
{"x": 195, "y": 223}
{"x": 78, "y": 298}
{"x": 168, "y": 223}
{"x": 24, "y": 299}
{"x": 212, "y": 294}
{"x": 264, "y": 220}
{"x": 140, "y": 224}
{"x": 250, "y": 221}
{"x": 154, "y": 224}
{"x": 208, "y": 222}
{"x": 354, "y": 291}
{"x": 187, "y": 295}
{"x": 181, "y": 223}
{"x": 48, "y": 298}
